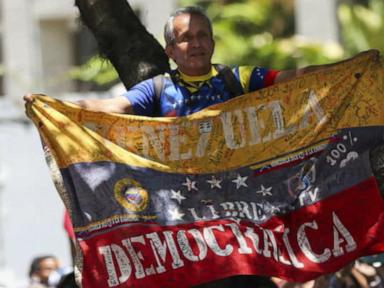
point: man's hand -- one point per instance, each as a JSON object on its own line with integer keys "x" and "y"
{"x": 28, "y": 98}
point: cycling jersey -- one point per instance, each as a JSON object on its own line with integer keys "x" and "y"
{"x": 182, "y": 94}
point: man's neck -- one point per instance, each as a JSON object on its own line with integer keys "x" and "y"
{"x": 196, "y": 73}
{"x": 200, "y": 77}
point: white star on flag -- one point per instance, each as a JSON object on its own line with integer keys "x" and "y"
{"x": 240, "y": 181}
{"x": 214, "y": 182}
{"x": 191, "y": 185}
{"x": 177, "y": 196}
{"x": 264, "y": 191}
{"x": 175, "y": 214}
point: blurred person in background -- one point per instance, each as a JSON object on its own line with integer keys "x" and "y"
{"x": 46, "y": 271}
{"x": 40, "y": 270}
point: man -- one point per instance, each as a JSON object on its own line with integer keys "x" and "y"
{"x": 194, "y": 85}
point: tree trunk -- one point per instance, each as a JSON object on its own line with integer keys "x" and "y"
{"x": 135, "y": 54}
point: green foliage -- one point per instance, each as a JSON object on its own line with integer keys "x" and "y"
{"x": 362, "y": 26}
{"x": 260, "y": 32}
{"x": 96, "y": 70}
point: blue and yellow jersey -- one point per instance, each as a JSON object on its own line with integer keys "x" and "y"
{"x": 183, "y": 95}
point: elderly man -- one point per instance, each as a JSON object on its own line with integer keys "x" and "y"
{"x": 196, "y": 83}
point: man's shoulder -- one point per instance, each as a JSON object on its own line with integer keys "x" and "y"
{"x": 166, "y": 76}
{"x": 151, "y": 83}
{"x": 238, "y": 70}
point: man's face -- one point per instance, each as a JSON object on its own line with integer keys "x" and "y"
{"x": 193, "y": 46}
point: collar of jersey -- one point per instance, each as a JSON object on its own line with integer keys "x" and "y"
{"x": 200, "y": 78}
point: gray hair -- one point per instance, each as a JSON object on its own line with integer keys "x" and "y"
{"x": 169, "y": 34}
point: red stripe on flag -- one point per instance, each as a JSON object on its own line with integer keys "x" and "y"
{"x": 301, "y": 245}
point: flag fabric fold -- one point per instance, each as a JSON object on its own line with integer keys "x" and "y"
{"x": 279, "y": 182}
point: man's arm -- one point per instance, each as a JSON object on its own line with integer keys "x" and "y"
{"x": 119, "y": 105}
{"x": 286, "y": 75}
{"x": 112, "y": 105}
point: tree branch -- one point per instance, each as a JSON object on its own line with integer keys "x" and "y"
{"x": 135, "y": 54}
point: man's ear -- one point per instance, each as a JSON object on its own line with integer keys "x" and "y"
{"x": 169, "y": 51}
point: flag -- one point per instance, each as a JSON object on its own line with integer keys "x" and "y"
{"x": 280, "y": 182}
